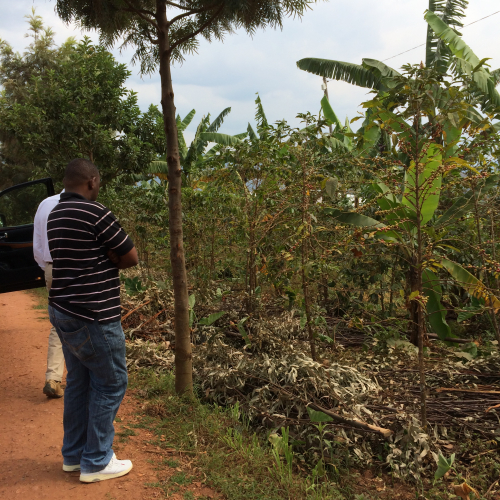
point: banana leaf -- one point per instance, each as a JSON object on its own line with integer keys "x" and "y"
{"x": 470, "y": 283}
{"x": 429, "y": 189}
{"x": 223, "y": 139}
{"x": 398, "y": 124}
{"x": 435, "y": 311}
{"x": 182, "y": 125}
{"x": 329, "y": 113}
{"x": 353, "y": 218}
{"x": 466, "y": 61}
{"x": 395, "y": 210}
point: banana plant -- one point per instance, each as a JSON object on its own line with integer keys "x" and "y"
{"x": 192, "y": 155}
{"x": 465, "y": 62}
{"x": 341, "y": 137}
{"x": 400, "y": 227}
{"x": 409, "y": 210}
{"x": 445, "y": 52}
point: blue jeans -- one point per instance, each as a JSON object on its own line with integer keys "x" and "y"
{"x": 95, "y": 386}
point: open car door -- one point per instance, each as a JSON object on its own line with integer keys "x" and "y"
{"x": 18, "y": 205}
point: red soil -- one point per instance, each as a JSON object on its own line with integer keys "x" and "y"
{"x": 31, "y": 424}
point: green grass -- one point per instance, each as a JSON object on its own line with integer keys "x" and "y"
{"x": 171, "y": 463}
{"x": 125, "y": 434}
{"x": 42, "y": 297}
{"x": 181, "y": 479}
{"x": 237, "y": 463}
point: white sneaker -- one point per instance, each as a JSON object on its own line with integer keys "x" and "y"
{"x": 71, "y": 468}
{"x": 115, "y": 468}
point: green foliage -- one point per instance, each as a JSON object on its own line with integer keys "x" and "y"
{"x": 318, "y": 416}
{"x": 242, "y": 330}
{"x": 211, "y": 319}
{"x": 76, "y": 106}
{"x": 282, "y": 447}
{"x": 136, "y": 25}
{"x": 437, "y": 314}
{"x": 369, "y": 75}
{"x": 443, "y": 465}
{"x": 466, "y": 62}
{"x": 133, "y": 286}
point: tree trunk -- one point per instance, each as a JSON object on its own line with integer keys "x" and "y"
{"x": 413, "y": 281}
{"x": 183, "y": 356}
{"x": 252, "y": 275}
{"x": 305, "y": 257}
{"x": 417, "y": 268}
{"x": 212, "y": 254}
{"x": 305, "y": 290}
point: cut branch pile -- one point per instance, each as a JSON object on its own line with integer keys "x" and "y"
{"x": 371, "y": 398}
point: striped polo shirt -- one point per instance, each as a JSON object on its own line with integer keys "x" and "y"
{"x": 85, "y": 283}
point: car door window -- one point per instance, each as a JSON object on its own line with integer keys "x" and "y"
{"x": 18, "y": 206}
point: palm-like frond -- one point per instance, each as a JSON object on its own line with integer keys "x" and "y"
{"x": 197, "y": 145}
{"x": 260, "y": 116}
{"x": 251, "y": 133}
{"x": 339, "y": 70}
{"x": 450, "y": 12}
{"x": 218, "y": 147}
{"x": 372, "y": 74}
{"x": 182, "y": 125}
{"x": 379, "y": 69}
{"x": 222, "y": 139}
{"x": 329, "y": 113}
{"x": 338, "y": 144}
{"x": 216, "y": 124}
{"x": 466, "y": 62}
{"x": 158, "y": 168}
{"x": 496, "y": 76}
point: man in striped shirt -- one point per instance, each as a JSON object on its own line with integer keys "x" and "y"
{"x": 88, "y": 246}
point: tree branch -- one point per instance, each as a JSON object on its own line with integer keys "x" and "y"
{"x": 189, "y": 13}
{"x": 172, "y": 4}
{"x": 141, "y": 13}
{"x": 154, "y": 41}
{"x": 198, "y": 31}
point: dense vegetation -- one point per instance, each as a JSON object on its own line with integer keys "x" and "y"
{"x": 343, "y": 286}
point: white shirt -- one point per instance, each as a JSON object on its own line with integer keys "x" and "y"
{"x": 41, "y": 250}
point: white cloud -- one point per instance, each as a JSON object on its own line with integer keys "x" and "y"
{"x": 230, "y": 73}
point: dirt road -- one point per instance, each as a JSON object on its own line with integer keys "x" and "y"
{"x": 31, "y": 424}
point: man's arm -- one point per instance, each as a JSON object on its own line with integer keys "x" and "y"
{"x": 120, "y": 249}
{"x": 130, "y": 259}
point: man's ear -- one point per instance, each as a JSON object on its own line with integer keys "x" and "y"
{"x": 92, "y": 183}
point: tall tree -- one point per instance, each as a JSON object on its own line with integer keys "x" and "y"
{"x": 60, "y": 103}
{"x": 162, "y": 31}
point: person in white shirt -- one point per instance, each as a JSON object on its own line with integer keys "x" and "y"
{"x": 55, "y": 357}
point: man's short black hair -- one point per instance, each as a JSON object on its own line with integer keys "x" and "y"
{"x": 79, "y": 171}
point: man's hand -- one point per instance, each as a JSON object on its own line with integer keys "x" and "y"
{"x": 113, "y": 257}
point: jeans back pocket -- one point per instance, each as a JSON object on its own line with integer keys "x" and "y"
{"x": 77, "y": 341}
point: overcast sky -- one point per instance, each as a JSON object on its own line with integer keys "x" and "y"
{"x": 230, "y": 73}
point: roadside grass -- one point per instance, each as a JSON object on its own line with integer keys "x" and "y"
{"x": 235, "y": 461}
{"x": 41, "y": 295}
{"x": 217, "y": 443}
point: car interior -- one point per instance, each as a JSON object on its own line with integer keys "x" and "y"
{"x": 18, "y": 206}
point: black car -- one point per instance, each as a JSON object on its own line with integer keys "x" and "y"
{"x": 18, "y": 205}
